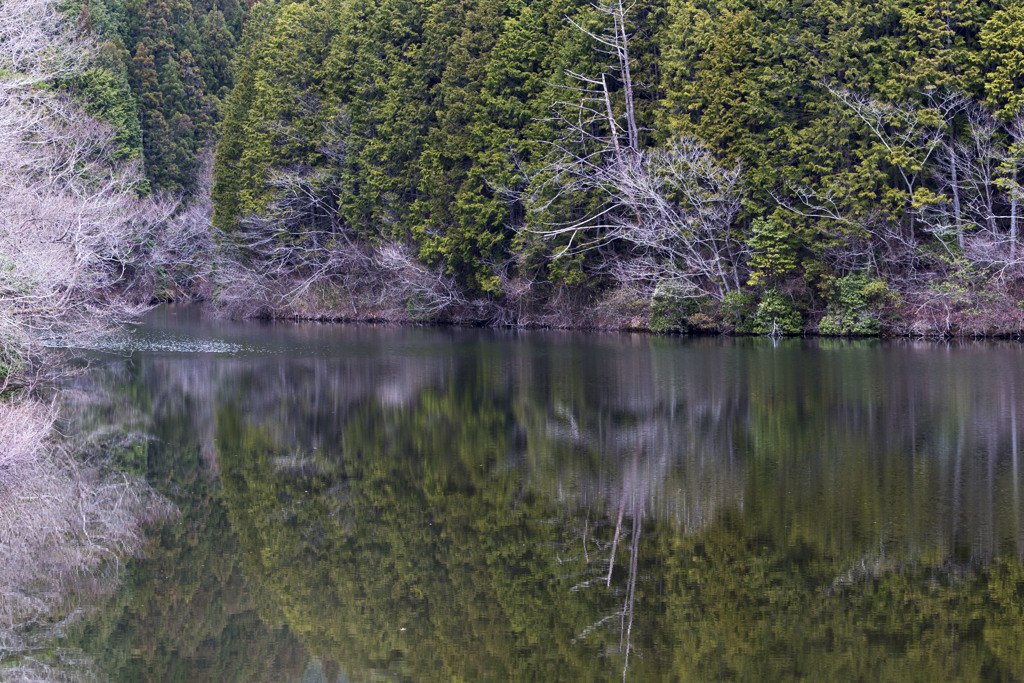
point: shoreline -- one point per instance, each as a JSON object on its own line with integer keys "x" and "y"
{"x": 905, "y": 321}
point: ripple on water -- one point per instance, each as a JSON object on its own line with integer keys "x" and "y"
{"x": 165, "y": 344}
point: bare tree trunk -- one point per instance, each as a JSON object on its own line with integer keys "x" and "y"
{"x": 955, "y": 183}
{"x": 1013, "y": 229}
{"x": 612, "y": 126}
{"x": 671, "y": 208}
{"x": 1016, "y": 130}
{"x": 627, "y": 78}
{"x": 631, "y": 590}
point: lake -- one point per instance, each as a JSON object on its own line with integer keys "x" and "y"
{"x": 433, "y": 504}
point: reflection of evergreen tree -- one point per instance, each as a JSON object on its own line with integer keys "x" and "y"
{"x": 399, "y": 560}
{"x": 185, "y": 612}
{"x": 402, "y": 520}
{"x": 392, "y": 556}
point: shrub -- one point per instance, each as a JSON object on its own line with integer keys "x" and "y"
{"x": 671, "y": 311}
{"x": 775, "y": 245}
{"x": 737, "y": 310}
{"x": 777, "y": 315}
{"x": 855, "y": 306}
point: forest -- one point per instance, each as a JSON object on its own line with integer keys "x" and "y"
{"x": 718, "y": 166}
{"x": 769, "y": 167}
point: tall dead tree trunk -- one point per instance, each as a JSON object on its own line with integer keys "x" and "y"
{"x": 666, "y": 212}
{"x": 955, "y": 185}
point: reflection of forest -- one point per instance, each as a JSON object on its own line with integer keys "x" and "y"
{"x": 185, "y": 612}
{"x": 452, "y": 511}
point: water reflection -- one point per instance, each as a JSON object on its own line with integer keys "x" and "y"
{"x": 438, "y": 504}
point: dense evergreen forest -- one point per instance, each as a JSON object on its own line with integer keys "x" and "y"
{"x": 705, "y": 166}
{"x": 159, "y": 73}
{"x": 768, "y": 166}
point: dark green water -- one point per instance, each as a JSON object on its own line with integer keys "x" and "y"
{"x": 366, "y": 503}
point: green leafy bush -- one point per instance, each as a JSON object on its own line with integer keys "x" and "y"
{"x": 12, "y": 360}
{"x": 775, "y": 250}
{"x": 737, "y": 310}
{"x": 855, "y": 306}
{"x": 776, "y": 314}
{"x": 671, "y": 311}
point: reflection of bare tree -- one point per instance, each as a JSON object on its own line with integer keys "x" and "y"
{"x": 906, "y": 450}
{"x": 304, "y": 401}
{"x": 64, "y": 528}
{"x": 680, "y": 416}
{"x": 626, "y": 626}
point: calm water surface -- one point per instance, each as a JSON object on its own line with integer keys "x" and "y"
{"x": 363, "y": 503}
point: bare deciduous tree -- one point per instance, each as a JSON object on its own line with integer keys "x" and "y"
{"x": 427, "y": 291}
{"x": 964, "y": 173}
{"x": 909, "y": 134}
{"x": 685, "y": 206}
{"x": 37, "y": 43}
{"x": 66, "y": 209}
{"x": 672, "y": 209}
{"x": 970, "y": 203}
{"x": 65, "y": 218}
{"x": 979, "y": 191}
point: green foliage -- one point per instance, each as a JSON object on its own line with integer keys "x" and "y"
{"x": 108, "y": 97}
{"x": 568, "y": 270}
{"x": 218, "y": 45}
{"x": 147, "y": 79}
{"x": 443, "y": 107}
{"x": 960, "y": 287}
{"x": 776, "y": 315}
{"x": 738, "y": 310}
{"x": 12, "y": 359}
{"x": 855, "y": 306}
{"x": 1002, "y": 58}
{"x": 431, "y": 123}
{"x": 166, "y": 60}
{"x": 774, "y": 245}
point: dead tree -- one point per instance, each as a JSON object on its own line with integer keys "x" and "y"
{"x": 979, "y": 191}
{"x": 964, "y": 176}
{"x": 37, "y": 43}
{"x": 596, "y": 142}
{"x": 671, "y": 209}
{"x": 427, "y": 292}
{"x": 685, "y": 205}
